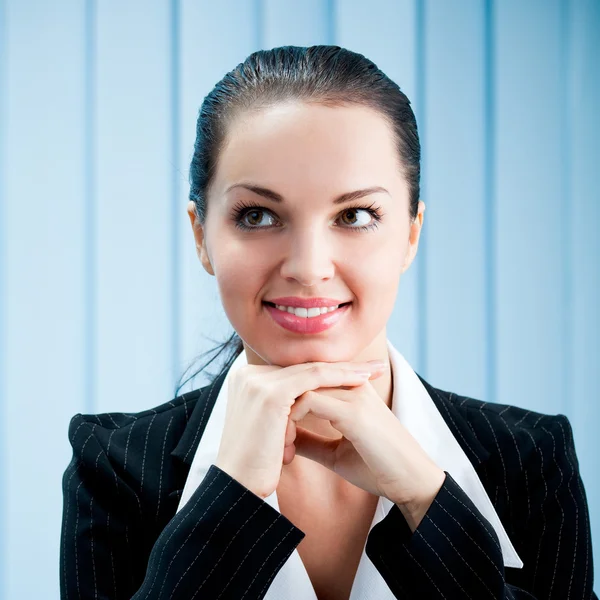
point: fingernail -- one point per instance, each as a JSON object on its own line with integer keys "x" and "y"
{"x": 361, "y": 373}
{"x": 377, "y": 363}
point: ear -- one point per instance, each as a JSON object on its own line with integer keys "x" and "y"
{"x": 200, "y": 238}
{"x": 413, "y": 238}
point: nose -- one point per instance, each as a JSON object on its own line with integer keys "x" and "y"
{"x": 308, "y": 258}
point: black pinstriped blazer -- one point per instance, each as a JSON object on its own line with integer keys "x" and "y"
{"x": 121, "y": 538}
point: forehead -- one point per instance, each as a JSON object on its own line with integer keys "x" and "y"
{"x": 297, "y": 146}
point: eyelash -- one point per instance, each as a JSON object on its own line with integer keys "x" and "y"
{"x": 241, "y": 209}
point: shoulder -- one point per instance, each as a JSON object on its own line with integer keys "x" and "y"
{"x": 531, "y": 473}
{"x": 131, "y": 448}
{"x": 515, "y": 436}
{"x": 120, "y": 427}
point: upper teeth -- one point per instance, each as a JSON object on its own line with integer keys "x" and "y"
{"x": 306, "y": 312}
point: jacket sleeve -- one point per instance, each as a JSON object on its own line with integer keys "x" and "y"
{"x": 225, "y": 543}
{"x": 455, "y": 552}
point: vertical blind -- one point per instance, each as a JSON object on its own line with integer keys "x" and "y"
{"x": 103, "y": 301}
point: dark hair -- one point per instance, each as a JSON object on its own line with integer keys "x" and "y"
{"x": 327, "y": 75}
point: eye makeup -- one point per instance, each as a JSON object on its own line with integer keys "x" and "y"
{"x": 242, "y": 208}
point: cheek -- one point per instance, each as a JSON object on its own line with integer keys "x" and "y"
{"x": 237, "y": 283}
{"x": 375, "y": 278}
{"x": 377, "y": 266}
{"x": 240, "y": 276}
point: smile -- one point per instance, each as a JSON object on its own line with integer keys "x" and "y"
{"x": 307, "y": 320}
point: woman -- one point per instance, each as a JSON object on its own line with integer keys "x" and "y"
{"x": 305, "y": 469}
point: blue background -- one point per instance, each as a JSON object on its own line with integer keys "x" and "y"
{"x": 103, "y": 301}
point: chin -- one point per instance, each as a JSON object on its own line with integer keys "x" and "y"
{"x": 290, "y": 357}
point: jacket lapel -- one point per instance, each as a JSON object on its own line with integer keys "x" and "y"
{"x": 459, "y": 425}
{"x": 186, "y": 447}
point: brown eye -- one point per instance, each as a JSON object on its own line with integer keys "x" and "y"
{"x": 251, "y": 216}
{"x": 248, "y": 217}
{"x": 353, "y": 218}
{"x": 351, "y": 212}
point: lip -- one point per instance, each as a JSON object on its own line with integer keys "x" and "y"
{"x": 298, "y": 302}
{"x": 306, "y": 325}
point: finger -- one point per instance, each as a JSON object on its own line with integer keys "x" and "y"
{"x": 289, "y": 452}
{"x": 277, "y": 372}
{"x": 323, "y": 407}
{"x": 343, "y": 393}
{"x": 323, "y": 375}
{"x": 290, "y": 432}
{"x": 316, "y": 447}
{"x": 376, "y": 374}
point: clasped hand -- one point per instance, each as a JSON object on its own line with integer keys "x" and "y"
{"x": 376, "y": 453}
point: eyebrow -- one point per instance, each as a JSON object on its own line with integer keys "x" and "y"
{"x": 275, "y": 197}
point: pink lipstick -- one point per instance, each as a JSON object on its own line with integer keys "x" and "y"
{"x": 301, "y": 324}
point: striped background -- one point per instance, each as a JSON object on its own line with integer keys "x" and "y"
{"x": 103, "y": 301}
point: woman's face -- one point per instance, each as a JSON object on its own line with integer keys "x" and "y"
{"x": 306, "y": 245}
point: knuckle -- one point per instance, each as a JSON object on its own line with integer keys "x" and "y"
{"x": 247, "y": 381}
{"x": 319, "y": 370}
{"x": 254, "y": 387}
{"x": 303, "y": 397}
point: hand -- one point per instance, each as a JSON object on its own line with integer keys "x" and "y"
{"x": 260, "y": 398}
{"x": 376, "y": 453}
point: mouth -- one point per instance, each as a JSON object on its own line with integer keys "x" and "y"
{"x": 338, "y": 306}
{"x": 305, "y": 324}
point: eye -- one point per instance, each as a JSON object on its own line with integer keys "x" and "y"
{"x": 254, "y": 215}
{"x": 367, "y": 216}
{"x": 254, "y": 212}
